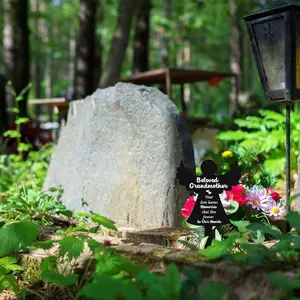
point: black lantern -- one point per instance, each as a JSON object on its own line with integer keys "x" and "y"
{"x": 275, "y": 38}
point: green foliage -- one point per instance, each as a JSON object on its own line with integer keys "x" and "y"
{"x": 8, "y": 268}
{"x": 264, "y": 136}
{"x": 33, "y": 206}
{"x": 17, "y": 236}
{"x": 14, "y": 171}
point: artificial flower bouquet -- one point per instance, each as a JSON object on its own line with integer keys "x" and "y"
{"x": 254, "y": 203}
{"x": 247, "y": 201}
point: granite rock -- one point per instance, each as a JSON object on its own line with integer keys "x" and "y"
{"x": 119, "y": 152}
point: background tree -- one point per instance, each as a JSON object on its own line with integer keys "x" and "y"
{"x": 236, "y": 51}
{"x": 196, "y": 34}
{"x": 86, "y": 49}
{"x": 112, "y": 70}
{"x": 16, "y": 47}
{"x": 141, "y": 39}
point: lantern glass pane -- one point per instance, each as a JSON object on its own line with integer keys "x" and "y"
{"x": 269, "y": 35}
{"x": 298, "y": 52}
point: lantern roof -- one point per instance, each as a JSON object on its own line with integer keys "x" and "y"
{"x": 271, "y": 11}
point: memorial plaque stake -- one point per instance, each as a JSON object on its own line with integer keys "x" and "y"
{"x": 208, "y": 210}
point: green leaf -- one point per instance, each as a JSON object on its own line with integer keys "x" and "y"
{"x": 22, "y": 147}
{"x": 193, "y": 275}
{"x": 20, "y": 97}
{"x": 17, "y": 234}
{"x": 273, "y": 140}
{"x": 75, "y": 229}
{"x": 187, "y": 244}
{"x": 10, "y": 264}
{"x": 293, "y": 218}
{"x": 14, "y": 134}
{"x": 234, "y": 206}
{"x": 279, "y": 281}
{"x": 14, "y": 110}
{"x": 272, "y": 115}
{"x": 232, "y": 135}
{"x": 184, "y": 224}
{"x": 45, "y": 244}
{"x": 282, "y": 245}
{"x": 22, "y": 120}
{"x": 241, "y": 225}
{"x": 213, "y": 291}
{"x": 172, "y": 283}
{"x": 65, "y": 212}
{"x": 8, "y": 260}
{"x": 258, "y": 237}
{"x": 99, "y": 220}
{"x": 249, "y": 122}
{"x": 294, "y": 197}
{"x": 146, "y": 279}
{"x": 71, "y": 246}
{"x": 263, "y": 228}
{"x": 102, "y": 287}
{"x": 131, "y": 291}
{"x": 275, "y": 166}
{"x": 48, "y": 264}
{"x": 9, "y": 281}
{"x": 218, "y": 249}
{"x": 53, "y": 277}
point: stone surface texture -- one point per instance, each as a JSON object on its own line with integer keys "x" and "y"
{"x": 119, "y": 152}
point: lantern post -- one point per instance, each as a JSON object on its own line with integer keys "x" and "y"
{"x": 274, "y": 35}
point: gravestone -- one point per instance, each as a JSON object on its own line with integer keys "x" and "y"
{"x": 119, "y": 152}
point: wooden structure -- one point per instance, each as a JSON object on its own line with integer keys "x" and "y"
{"x": 164, "y": 76}
{"x": 60, "y": 104}
{"x": 171, "y": 76}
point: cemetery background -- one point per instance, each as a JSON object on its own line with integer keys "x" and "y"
{"x": 21, "y": 180}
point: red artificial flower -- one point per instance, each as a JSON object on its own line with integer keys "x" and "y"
{"x": 188, "y": 207}
{"x": 236, "y": 194}
{"x": 276, "y": 196}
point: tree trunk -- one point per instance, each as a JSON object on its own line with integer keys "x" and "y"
{"x": 36, "y": 67}
{"x": 1, "y": 34}
{"x": 141, "y": 39}
{"x": 98, "y": 46}
{"x": 168, "y": 6}
{"x": 85, "y": 52}
{"x": 236, "y": 47}
{"x": 16, "y": 47}
{"x": 71, "y": 60}
{"x": 3, "y": 113}
{"x": 113, "y": 66}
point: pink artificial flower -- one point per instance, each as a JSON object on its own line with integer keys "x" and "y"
{"x": 275, "y": 209}
{"x": 188, "y": 207}
{"x": 276, "y": 196}
{"x": 236, "y": 194}
{"x": 259, "y": 198}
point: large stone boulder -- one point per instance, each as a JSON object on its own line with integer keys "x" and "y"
{"x": 119, "y": 152}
